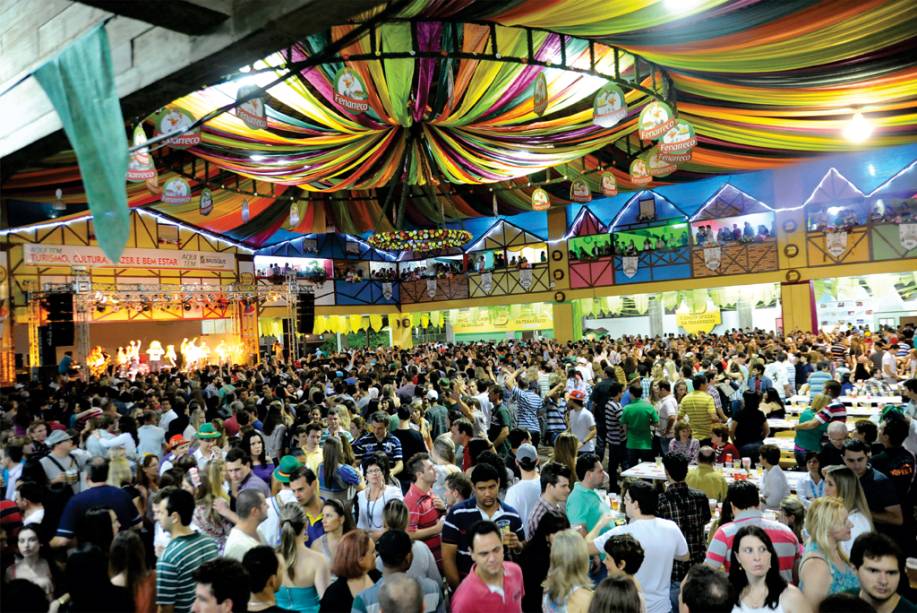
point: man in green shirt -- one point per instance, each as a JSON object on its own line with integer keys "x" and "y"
{"x": 638, "y": 419}
{"x": 808, "y": 440}
{"x": 584, "y": 506}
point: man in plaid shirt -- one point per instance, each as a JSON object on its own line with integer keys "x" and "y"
{"x": 690, "y": 510}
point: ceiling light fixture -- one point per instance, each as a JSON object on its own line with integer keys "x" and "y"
{"x": 257, "y": 157}
{"x": 858, "y": 129}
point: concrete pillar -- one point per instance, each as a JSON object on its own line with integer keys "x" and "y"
{"x": 655, "y": 314}
{"x": 563, "y": 322}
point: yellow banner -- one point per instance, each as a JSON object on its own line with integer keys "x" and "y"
{"x": 517, "y": 317}
{"x": 692, "y": 323}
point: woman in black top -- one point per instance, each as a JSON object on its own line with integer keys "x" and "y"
{"x": 355, "y": 568}
{"x": 537, "y": 556}
{"x": 749, "y": 427}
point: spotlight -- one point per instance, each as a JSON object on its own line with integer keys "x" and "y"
{"x": 858, "y": 129}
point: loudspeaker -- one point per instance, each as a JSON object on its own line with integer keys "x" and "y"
{"x": 61, "y": 333}
{"x": 305, "y": 313}
{"x": 60, "y": 307}
{"x": 46, "y": 350}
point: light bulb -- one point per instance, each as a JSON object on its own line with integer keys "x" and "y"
{"x": 858, "y": 129}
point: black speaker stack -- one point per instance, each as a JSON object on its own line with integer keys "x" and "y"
{"x": 305, "y": 313}
{"x": 58, "y": 331}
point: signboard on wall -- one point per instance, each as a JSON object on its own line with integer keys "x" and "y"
{"x": 511, "y": 318}
{"x": 692, "y": 323}
{"x": 64, "y": 255}
{"x": 840, "y": 313}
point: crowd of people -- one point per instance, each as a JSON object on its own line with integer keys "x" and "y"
{"x": 706, "y": 236}
{"x": 478, "y": 477}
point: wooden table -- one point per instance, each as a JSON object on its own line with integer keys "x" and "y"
{"x": 649, "y": 470}
{"x": 852, "y": 400}
{"x": 789, "y": 424}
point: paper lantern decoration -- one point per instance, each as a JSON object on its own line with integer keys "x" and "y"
{"x": 540, "y": 95}
{"x": 609, "y": 184}
{"x": 656, "y": 119}
{"x": 176, "y": 191}
{"x": 609, "y": 107}
{"x": 246, "y": 211}
{"x": 579, "y": 191}
{"x": 541, "y": 201}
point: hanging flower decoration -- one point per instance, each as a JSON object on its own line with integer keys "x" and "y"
{"x": 419, "y": 241}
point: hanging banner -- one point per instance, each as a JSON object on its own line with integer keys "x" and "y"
{"x": 692, "y": 323}
{"x": 629, "y": 264}
{"x": 525, "y": 278}
{"x": 174, "y": 119}
{"x": 140, "y": 166}
{"x": 64, "y": 255}
{"x": 907, "y": 234}
{"x": 431, "y": 288}
{"x": 246, "y": 211}
{"x": 656, "y": 119}
{"x": 836, "y": 243}
{"x": 387, "y": 291}
{"x": 541, "y": 201}
{"x": 579, "y": 191}
{"x": 609, "y": 184}
{"x": 252, "y": 112}
{"x": 679, "y": 139}
{"x": 639, "y": 173}
{"x": 295, "y": 214}
{"x": 538, "y": 316}
{"x": 350, "y": 91}
{"x": 657, "y": 166}
{"x": 205, "y": 202}
{"x": 712, "y": 257}
{"x": 608, "y": 107}
{"x": 540, "y": 95}
{"x": 487, "y": 281}
{"x": 176, "y": 191}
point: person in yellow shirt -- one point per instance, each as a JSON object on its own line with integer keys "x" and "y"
{"x": 698, "y": 406}
{"x": 309, "y": 437}
{"x": 705, "y": 477}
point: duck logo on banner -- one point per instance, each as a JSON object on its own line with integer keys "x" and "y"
{"x": 387, "y": 291}
{"x": 608, "y": 107}
{"x": 712, "y": 257}
{"x": 656, "y": 119}
{"x": 431, "y": 288}
{"x": 657, "y": 165}
{"x": 836, "y": 243}
{"x": 629, "y": 264}
{"x": 609, "y": 184}
{"x": 206, "y": 202}
{"x": 140, "y": 167}
{"x": 350, "y": 91}
{"x": 678, "y": 142}
{"x": 176, "y": 191}
{"x": 639, "y": 173}
{"x": 173, "y": 119}
{"x": 579, "y": 191}
{"x": 525, "y": 278}
{"x": 541, "y": 201}
{"x": 487, "y": 282}
{"x": 907, "y": 234}
{"x": 252, "y": 112}
{"x": 540, "y": 95}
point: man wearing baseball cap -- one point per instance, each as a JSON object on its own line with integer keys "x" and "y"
{"x": 580, "y": 421}
{"x": 524, "y": 494}
{"x": 64, "y": 463}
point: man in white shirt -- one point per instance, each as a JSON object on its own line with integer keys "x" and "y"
{"x": 207, "y": 450}
{"x": 667, "y": 407}
{"x": 269, "y": 529}
{"x": 168, "y": 414}
{"x": 662, "y": 542}
{"x": 774, "y": 486}
{"x": 776, "y": 371}
{"x": 580, "y": 421}
{"x": 251, "y": 506}
{"x": 152, "y": 437}
{"x": 483, "y": 397}
{"x": 524, "y": 495}
{"x": 889, "y": 366}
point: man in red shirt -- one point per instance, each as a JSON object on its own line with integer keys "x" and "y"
{"x": 425, "y": 521}
{"x": 492, "y": 586}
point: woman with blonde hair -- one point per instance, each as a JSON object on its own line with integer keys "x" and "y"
{"x": 567, "y": 588}
{"x": 824, "y": 568}
{"x": 211, "y": 512}
{"x": 443, "y": 456}
{"x": 840, "y": 481}
{"x": 305, "y": 574}
{"x": 565, "y": 447}
{"x": 336, "y": 478}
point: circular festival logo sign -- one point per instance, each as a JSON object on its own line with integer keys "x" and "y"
{"x": 173, "y": 119}
{"x": 206, "y": 201}
{"x": 657, "y": 166}
{"x": 176, "y": 191}
{"x": 252, "y": 112}
{"x": 609, "y": 184}
{"x": 579, "y": 191}
{"x": 541, "y": 201}
{"x": 639, "y": 172}
{"x": 609, "y": 107}
{"x": 350, "y": 91}
{"x": 656, "y": 119}
{"x": 677, "y": 143}
{"x": 540, "y": 95}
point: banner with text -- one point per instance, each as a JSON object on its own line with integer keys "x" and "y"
{"x": 64, "y": 255}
